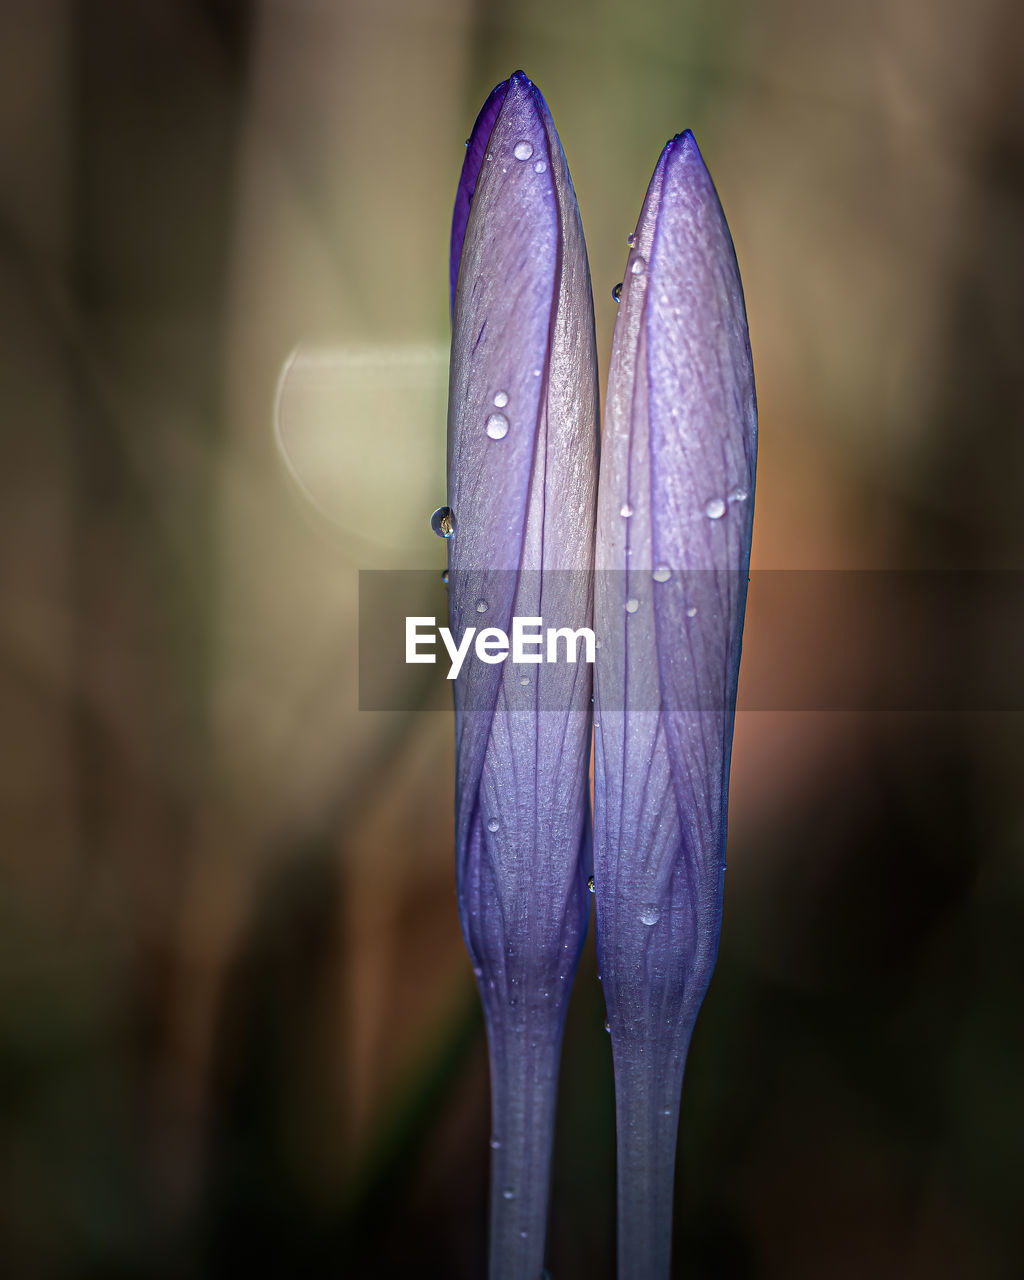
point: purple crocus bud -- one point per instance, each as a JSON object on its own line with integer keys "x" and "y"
{"x": 522, "y": 469}
{"x": 673, "y": 549}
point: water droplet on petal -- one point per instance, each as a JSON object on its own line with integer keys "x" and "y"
{"x": 667, "y": 1111}
{"x": 497, "y": 426}
{"x": 539, "y": 167}
{"x": 650, "y": 915}
{"x": 523, "y": 1235}
{"x": 625, "y": 510}
{"x": 481, "y": 606}
{"x": 617, "y": 291}
{"x": 590, "y": 883}
{"x": 500, "y": 399}
{"x": 630, "y": 239}
{"x": 443, "y": 522}
{"x": 714, "y": 508}
{"x": 492, "y": 824}
{"x": 632, "y": 604}
{"x": 739, "y": 494}
{"x": 495, "y": 1144}
{"x": 444, "y": 576}
{"x": 692, "y": 611}
{"x": 662, "y": 573}
{"x": 509, "y": 1193}
{"x": 638, "y": 266}
{"x": 524, "y": 679}
{"x": 608, "y": 1027}
{"x": 523, "y": 150}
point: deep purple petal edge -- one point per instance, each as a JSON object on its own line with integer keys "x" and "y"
{"x": 476, "y": 149}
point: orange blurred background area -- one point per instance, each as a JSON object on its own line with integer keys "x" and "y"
{"x": 238, "y": 1030}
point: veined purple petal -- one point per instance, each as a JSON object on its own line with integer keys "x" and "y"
{"x": 674, "y": 525}
{"x": 522, "y": 465}
{"x": 476, "y": 149}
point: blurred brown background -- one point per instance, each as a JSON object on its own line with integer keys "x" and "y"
{"x": 237, "y": 1028}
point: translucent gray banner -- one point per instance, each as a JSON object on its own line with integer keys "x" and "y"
{"x": 923, "y": 641}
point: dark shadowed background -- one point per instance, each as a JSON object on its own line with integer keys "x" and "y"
{"x": 238, "y": 1033}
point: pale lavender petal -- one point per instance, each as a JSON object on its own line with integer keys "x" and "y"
{"x": 522, "y": 466}
{"x": 674, "y": 526}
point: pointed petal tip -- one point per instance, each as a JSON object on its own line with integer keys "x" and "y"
{"x": 683, "y": 169}
{"x": 521, "y": 83}
{"x": 506, "y": 96}
{"x": 684, "y": 153}
{"x": 476, "y": 147}
{"x": 683, "y": 148}
{"x": 685, "y": 138}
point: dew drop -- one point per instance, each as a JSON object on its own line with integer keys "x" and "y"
{"x": 481, "y": 606}
{"x": 714, "y": 508}
{"x": 500, "y": 399}
{"x": 444, "y": 576}
{"x": 523, "y": 1235}
{"x": 492, "y": 824}
{"x": 625, "y": 510}
{"x": 495, "y": 1144}
{"x": 662, "y": 573}
{"x": 692, "y": 611}
{"x": 608, "y": 1027}
{"x": 650, "y": 915}
{"x": 536, "y": 373}
{"x": 497, "y": 426}
{"x": 590, "y": 883}
{"x": 617, "y": 291}
{"x": 638, "y": 266}
{"x": 509, "y": 1193}
{"x": 523, "y": 150}
{"x": 524, "y": 679}
{"x": 667, "y": 1111}
{"x": 630, "y": 239}
{"x": 632, "y": 604}
{"x": 443, "y": 522}
{"x": 739, "y": 494}
{"x": 539, "y": 167}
